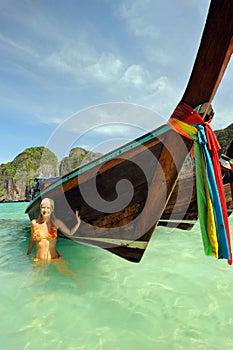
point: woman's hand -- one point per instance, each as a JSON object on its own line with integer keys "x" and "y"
{"x": 77, "y": 216}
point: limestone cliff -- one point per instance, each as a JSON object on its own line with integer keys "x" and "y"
{"x": 17, "y": 177}
{"x": 77, "y": 157}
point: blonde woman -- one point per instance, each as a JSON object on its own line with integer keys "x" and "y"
{"x": 44, "y": 232}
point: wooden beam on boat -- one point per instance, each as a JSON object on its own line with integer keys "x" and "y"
{"x": 213, "y": 55}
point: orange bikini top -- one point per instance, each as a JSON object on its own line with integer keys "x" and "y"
{"x": 51, "y": 235}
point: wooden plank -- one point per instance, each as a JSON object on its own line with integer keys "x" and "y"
{"x": 162, "y": 183}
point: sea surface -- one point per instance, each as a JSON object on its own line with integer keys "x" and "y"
{"x": 175, "y": 298}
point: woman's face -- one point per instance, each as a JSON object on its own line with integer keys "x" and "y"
{"x": 45, "y": 209}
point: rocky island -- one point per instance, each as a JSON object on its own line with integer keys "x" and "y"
{"x": 17, "y": 178}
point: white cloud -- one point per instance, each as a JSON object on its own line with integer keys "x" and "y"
{"x": 160, "y": 85}
{"x": 136, "y": 15}
{"x": 107, "y": 68}
{"x": 16, "y": 45}
{"x": 134, "y": 76}
{"x": 159, "y": 55}
{"x": 86, "y": 64}
{"x": 114, "y": 129}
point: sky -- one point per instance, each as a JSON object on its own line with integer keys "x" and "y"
{"x": 107, "y": 70}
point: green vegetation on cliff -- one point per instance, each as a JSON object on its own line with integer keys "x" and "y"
{"x": 17, "y": 177}
{"x": 224, "y": 137}
{"x": 29, "y": 159}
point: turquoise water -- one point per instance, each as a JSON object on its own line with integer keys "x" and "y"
{"x": 176, "y": 298}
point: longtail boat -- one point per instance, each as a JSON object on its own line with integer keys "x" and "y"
{"x": 122, "y": 195}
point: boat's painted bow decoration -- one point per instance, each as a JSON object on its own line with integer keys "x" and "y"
{"x": 212, "y": 209}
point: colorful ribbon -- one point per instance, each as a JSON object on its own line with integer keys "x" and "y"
{"x": 212, "y": 209}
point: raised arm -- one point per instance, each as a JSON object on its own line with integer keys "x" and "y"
{"x": 61, "y": 226}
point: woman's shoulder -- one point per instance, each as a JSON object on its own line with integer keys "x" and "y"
{"x": 55, "y": 223}
{"x": 33, "y": 222}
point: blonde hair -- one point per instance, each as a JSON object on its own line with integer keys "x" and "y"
{"x": 47, "y": 201}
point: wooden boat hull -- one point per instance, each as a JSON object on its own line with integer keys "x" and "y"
{"x": 152, "y": 165}
{"x": 181, "y": 211}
